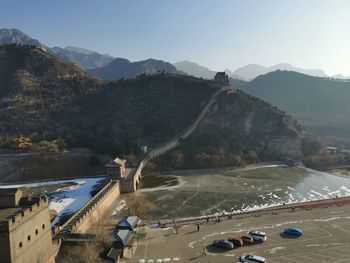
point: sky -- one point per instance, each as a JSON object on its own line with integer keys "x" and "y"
{"x": 219, "y": 34}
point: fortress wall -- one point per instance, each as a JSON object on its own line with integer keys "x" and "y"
{"x": 34, "y": 235}
{"x": 128, "y": 186}
{"x": 94, "y": 215}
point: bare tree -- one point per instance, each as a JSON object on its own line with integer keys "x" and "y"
{"x": 138, "y": 205}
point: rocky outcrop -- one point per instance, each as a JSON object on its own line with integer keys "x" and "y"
{"x": 237, "y": 129}
{"x": 252, "y": 125}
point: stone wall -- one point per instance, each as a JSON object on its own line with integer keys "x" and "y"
{"x": 99, "y": 209}
{"x": 29, "y": 236}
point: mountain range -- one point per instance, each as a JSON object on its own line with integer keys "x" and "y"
{"x": 123, "y": 68}
{"x": 321, "y": 105}
{"x": 248, "y": 72}
{"x": 84, "y": 58}
{"x": 98, "y": 64}
{"x": 45, "y": 98}
{"x": 102, "y": 66}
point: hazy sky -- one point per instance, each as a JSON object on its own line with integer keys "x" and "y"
{"x": 216, "y": 33}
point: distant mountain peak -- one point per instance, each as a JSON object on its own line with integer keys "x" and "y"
{"x": 194, "y": 69}
{"x": 123, "y": 68}
{"x": 80, "y": 50}
{"x": 82, "y": 57}
{"x": 16, "y": 36}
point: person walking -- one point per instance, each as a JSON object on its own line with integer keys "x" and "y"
{"x": 197, "y": 227}
{"x": 204, "y": 253}
{"x": 207, "y": 220}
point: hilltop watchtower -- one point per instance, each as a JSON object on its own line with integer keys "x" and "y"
{"x": 222, "y": 78}
{"x": 116, "y": 169}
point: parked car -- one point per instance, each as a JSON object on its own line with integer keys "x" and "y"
{"x": 294, "y": 232}
{"x": 237, "y": 241}
{"x": 224, "y": 244}
{"x": 251, "y": 258}
{"x": 257, "y": 235}
{"x": 247, "y": 239}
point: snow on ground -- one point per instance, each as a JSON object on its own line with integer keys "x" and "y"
{"x": 70, "y": 199}
{"x": 66, "y": 200}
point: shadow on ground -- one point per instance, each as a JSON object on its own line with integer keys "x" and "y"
{"x": 283, "y": 235}
{"x": 215, "y": 250}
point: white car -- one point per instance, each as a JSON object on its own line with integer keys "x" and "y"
{"x": 257, "y": 235}
{"x": 251, "y": 258}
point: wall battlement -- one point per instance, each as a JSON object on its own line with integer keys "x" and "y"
{"x": 28, "y": 208}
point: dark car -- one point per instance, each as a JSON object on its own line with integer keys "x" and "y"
{"x": 247, "y": 239}
{"x": 237, "y": 241}
{"x": 294, "y": 232}
{"x": 224, "y": 244}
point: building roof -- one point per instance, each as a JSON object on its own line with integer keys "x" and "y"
{"x": 221, "y": 73}
{"x": 122, "y": 237}
{"x": 331, "y": 148}
{"x": 114, "y": 253}
{"x": 117, "y": 162}
{"x": 128, "y": 222}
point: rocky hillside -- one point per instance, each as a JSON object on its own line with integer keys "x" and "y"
{"x": 44, "y": 98}
{"x": 34, "y": 85}
{"x": 123, "y": 68}
{"x": 239, "y": 129}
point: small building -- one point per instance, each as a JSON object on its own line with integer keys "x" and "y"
{"x": 331, "y": 149}
{"x": 115, "y": 254}
{"x": 222, "y": 78}
{"x": 128, "y": 223}
{"x": 124, "y": 240}
{"x": 116, "y": 169}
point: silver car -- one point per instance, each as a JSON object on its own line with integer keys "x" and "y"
{"x": 251, "y": 258}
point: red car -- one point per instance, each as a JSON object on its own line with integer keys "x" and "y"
{"x": 237, "y": 241}
{"x": 247, "y": 239}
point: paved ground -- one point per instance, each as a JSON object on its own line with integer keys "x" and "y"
{"x": 326, "y": 239}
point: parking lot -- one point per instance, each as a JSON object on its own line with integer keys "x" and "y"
{"x": 326, "y": 239}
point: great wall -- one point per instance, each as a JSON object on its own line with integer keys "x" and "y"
{"x": 96, "y": 208}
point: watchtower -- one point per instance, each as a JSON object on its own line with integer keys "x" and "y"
{"x": 25, "y": 230}
{"x": 116, "y": 169}
{"x": 222, "y": 78}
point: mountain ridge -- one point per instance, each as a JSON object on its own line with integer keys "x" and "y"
{"x": 82, "y": 57}
{"x": 321, "y": 105}
{"x": 44, "y": 98}
{"x": 123, "y": 68}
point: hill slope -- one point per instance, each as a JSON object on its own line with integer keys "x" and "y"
{"x": 237, "y": 130}
{"x": 43, "y": 97}
{"x": 320, "y": 104}
{"x": 34, "y": 85}
{"x": 123, "y": 68}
